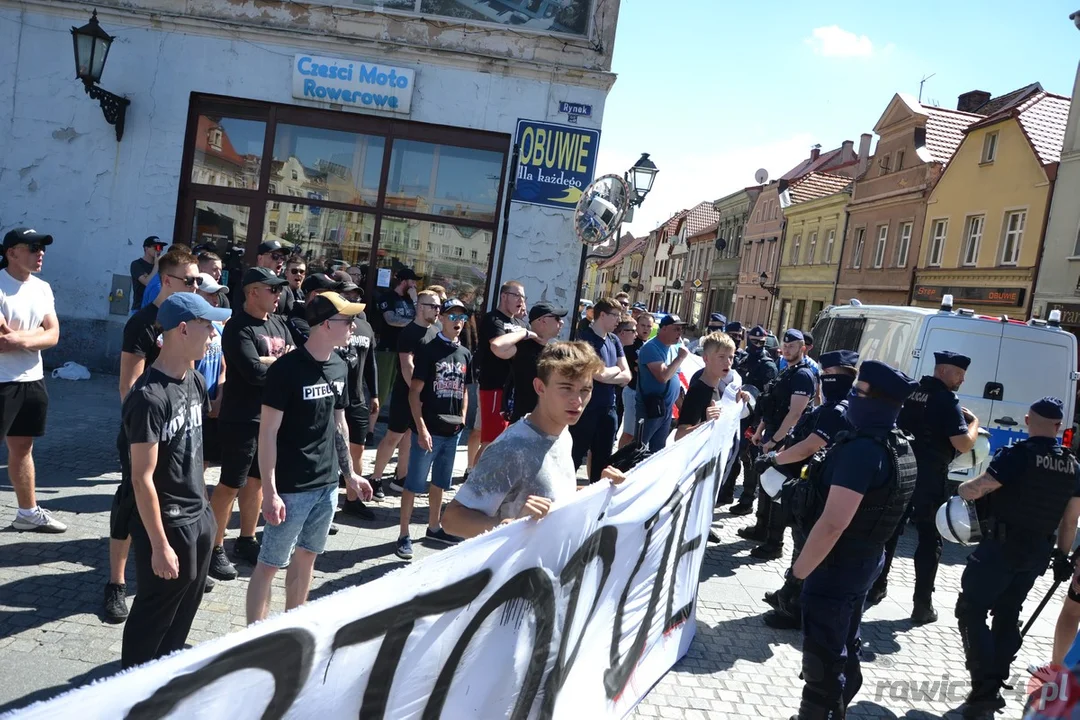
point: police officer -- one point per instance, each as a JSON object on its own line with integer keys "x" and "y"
{"x": 849, "y": 507}
{"x": 941, "y": 428}
{"x": 816, "y": 430}
{"x": 782, "y": 405}
{"x": 758, "y": 370}
{"x": 1032, "y": 489}
{"x": 735, "y": 331}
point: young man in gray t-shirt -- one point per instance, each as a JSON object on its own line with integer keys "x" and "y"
{"x": 528, "y": 467}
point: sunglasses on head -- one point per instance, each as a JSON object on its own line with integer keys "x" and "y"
{"x": 188, "y": 281}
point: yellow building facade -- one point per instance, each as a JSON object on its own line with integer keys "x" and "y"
{"x": 986, "y": 217}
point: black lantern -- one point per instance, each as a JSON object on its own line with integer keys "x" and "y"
{"x": 92, "y": 45}
{"x": 641, "y": 178}
{"x": 764, "y": 278}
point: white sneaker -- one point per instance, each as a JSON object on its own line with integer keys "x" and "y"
{"x": 40, "y": 521}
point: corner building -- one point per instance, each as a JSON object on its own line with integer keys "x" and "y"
{"x": 238, "y": 131}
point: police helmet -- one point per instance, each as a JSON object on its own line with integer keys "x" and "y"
{"x": 976, "y": 455}
{"x": 748, "y": 407}
{"x": 772, "y": 480}
{"x": 958, "y": 522}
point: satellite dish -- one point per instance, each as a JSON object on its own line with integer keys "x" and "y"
{"x": 601, "y": 210}
{"x": 761, "y": 176}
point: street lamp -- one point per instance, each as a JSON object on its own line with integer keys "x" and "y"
{"x": 764, "y": 278}
{"x": 92, "y": 45}
{"x": 641, "y": 177}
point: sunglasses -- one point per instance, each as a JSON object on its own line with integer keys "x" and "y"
{"x": 297, "y": 271}
{"x": 278, "y": 257}
{"x": 430, "y": 305}
{"x": 517, "y": 295}
{"x": 274, "y": 289}
{"x": 349, "y": 320}
{"x": 458, "y": 317}
{"x": 188, "y": 281}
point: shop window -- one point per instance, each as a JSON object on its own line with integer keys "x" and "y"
{"x": 227, "y": 147}
{"x": 447, "y": 268}
{"x": 444, "y": 180}
{"x": 326, "y": 164}
{"x": 321, "y": 235}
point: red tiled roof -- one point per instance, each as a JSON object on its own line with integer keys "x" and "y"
{"x": 816, "y": 185}
{"x": 1043, "y": 117}
{"x": 945, "y": 130}
{"x": 202, "y": 142}
{"x": 809, "y": 164}
{"x": 630, "y": 244}
{"x": 697, "y": 218}
{"x": 707, "y": 231}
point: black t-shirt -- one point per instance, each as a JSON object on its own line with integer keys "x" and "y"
{"x": 244, "y": 340}
{"x": 698, "y": 398}
{"x": 631, "y": 352}
{"x": 288, "y": 301}
{"x": 445, "y": 368}
{"x": 401, "y": 305}
{"x": 361, "y": 363}
{"x": 307, "y": 392}
{"x": 493, "y": 370}
{"x": 139, "y": 268}
{"x": 169, "y": 412}
{"x": 410, "y": 339}
{"x": 523, "y": 372}
{"x": 141, "y": 333}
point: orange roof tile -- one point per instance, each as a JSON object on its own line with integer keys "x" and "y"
{"x": 944, "y": 131}
{"x": 817, "y": 185}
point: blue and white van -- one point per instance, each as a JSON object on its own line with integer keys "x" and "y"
{"x": 1013, "y": 363}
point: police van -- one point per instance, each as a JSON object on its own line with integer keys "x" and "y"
{"x": 1013, "y": 363}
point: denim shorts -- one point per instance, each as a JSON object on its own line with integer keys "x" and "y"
{"x": 307, "y": 525}
{"x": 629, "y": 413}
{"x": 439, "y": 462}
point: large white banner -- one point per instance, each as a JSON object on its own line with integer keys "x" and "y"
{"x": 576, "y": 616}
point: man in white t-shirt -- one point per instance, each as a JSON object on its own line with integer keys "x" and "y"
{"x": 28, "y": 325}
{"x": 529, "y": 467}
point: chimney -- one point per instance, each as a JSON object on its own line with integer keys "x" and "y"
{"x": 972, "y": 101}
{"x": 847, "y": 151}
{"x": 815, "y": 151}
{"x": 864, "y": 153}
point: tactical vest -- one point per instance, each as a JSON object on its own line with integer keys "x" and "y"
{"x": 775, "y": 400}
{"x": 933, "y": 450}
{"x": 752, "y": 370}
{"x": 1032, "y": 505}
{"x": 881, "y": 508}
{"x": 804, "y": 428}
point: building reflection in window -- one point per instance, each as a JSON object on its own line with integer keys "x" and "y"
{"x": 228, "y": 152}
{"x": 444, "y": 180}
{"x": 320, "y": 164}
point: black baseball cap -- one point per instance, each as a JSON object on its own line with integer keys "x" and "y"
{"x": 672, "y": 319}
{"x": 262, "y": 275}
{"x": 407, "y": 273}
{"x": 543, "y": 309}
{"x": 22, "y": 236}
{"x": 269, "y": 246}
{"x": 318, "y": 281}
{"x": 453, "y": 304}
{"x": 153, "y": 241}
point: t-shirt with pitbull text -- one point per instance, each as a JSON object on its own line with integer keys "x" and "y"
{"x": 446, "y": 368}
{"x": 307, "y": 392}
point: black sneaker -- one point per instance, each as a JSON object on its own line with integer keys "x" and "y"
{"x": 357, "y": 508}
{"x": 377, "y": 492}
{"x": 771, "y": 599}
{"x": 441, "y": 536}
{"x": 876, "y": 595}
{"x": 753, "y": 532}
{"x": 247, "y": 549}
{"x": 741, "y": 508}
{"x": 923, "y": 613}
{"x": 724, "y": 499}
{"x": 220, "y": 567}
{"x": 397, "y": 485}
{"x": 116, "y": 609}
{"x": 781, "y": 620}
{"x": 333, "y": 529}
{"x": 767, "y": 552}
{"x": 209, "y": 585}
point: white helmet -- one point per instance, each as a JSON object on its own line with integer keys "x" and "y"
{"x": 976, "y": 455}
{"x": 958, "y": 522}
{"x": 748, "y": 407}
{"x": 771, "y": 482}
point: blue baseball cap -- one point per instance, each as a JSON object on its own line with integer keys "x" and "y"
{"x": 1049, "y": 407}
{"x": 948, "y": 357}
{"x": 793, "y": 335}
{"x": 185, "y": 306}
{"x": 733, "y": 327}
{"x": 839, "y": 358}
{"x": 718, "y": 319}
{"x": 886, "y": 380}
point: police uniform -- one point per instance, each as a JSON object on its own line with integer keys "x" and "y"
{"x": 932, "y": 416}
{"x": 1038, "y": 479}
{"x": 757, "y": 369}
{"x": 877, "y": 462}
{"x": 827, "y": 421}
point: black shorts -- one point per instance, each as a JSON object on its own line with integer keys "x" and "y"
{"x": 239, "y": 452}
{"x": 400, "y": 415}
{"x": 122, "y": 511}
{"x": 23, "y": 407}
{"x": 358, "y": 421}
{"x": 211, "y": 441}
{"x": 1072, "y": 594}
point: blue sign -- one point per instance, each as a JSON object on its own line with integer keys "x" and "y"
{"x": 555, "y": 163}
{"x": 570, "y": 108}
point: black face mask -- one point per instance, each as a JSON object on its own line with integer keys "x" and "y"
{"x": 835, "y": 387}
{"x": 755, "y": 349}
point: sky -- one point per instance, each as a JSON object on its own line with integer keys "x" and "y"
{"x": 715, "y": 89}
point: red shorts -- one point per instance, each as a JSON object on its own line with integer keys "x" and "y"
{"x": 492, "y": 423}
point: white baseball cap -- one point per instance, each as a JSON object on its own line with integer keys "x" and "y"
{"x": 208, "y": 284}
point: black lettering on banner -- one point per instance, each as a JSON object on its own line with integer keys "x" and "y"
{"x": 674, "y": 619}
{"x": 600, "y": 545}
{"x": 619, "y": 671}
{"x": 287, "y": 655}
{"x": 397, "y": 623}
{"x": 533, "y": 587}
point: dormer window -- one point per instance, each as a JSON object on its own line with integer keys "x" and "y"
{"x": 215, "y": 138}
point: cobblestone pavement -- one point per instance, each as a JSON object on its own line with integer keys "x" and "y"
{"x": 51, "y": 635}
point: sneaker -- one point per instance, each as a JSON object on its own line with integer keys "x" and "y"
{"x": 116, "y": 609}
{"x": 753, "y": 532}
{"x": 220, "y": 567}
{"x": 725, "y": 499}
{"x": 209, "y": 585}
{"x": 714, "y": 536}
{"x": 333, "y": 529}
{"x": 767, "y": 552}
{"x": 441, "y": 536}
{"x": 923, "y": 613}
{"x": 377, "y": 492}
{"x": 781, "y": 620}
{"x": 404, "y": 548}
{"x": 247, "y": 549}
{"x": 397, "y": 485}
{"x": 741, "y": 508}
{"x": 38, "y": 521}
{"x": 357, "y": 508}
